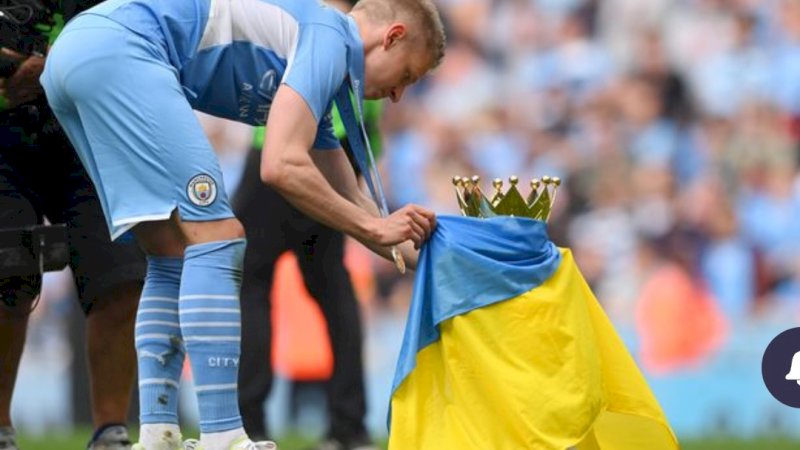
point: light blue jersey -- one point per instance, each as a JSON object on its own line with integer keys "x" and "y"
{"x": 231, "y": 55}
{"x": 124, "y": 76}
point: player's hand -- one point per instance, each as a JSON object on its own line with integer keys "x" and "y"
{"x": 411, "y": 222}
{"x": 23, "y": 86}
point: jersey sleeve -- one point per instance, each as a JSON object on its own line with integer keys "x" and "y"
{"x": 326, "y": 133}
{"x": 316, "y": 73}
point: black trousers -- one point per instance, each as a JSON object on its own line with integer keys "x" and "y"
{"x": 41, "y": 176}
{"x": 273, "y": 226}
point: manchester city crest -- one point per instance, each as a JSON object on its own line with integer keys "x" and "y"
{"x": 202, "y": 190}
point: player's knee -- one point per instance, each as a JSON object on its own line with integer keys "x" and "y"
{"x": 19, "y": 294}
{"x": 116, "y": 305}
{"x": 213, "y": 231}
{"x": 161, "y": 238}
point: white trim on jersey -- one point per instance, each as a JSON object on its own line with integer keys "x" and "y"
{"x": 253, "y": 21}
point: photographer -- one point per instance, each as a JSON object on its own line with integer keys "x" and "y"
{"x": 41, "y": 176}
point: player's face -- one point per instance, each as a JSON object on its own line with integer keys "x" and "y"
{"x": 395, "y": 65}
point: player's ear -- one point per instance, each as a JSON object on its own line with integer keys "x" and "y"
{"x": 394, "y": 34}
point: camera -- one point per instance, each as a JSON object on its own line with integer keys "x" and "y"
{"x": 21, "y": 30}
{"x": 33, "y": 250}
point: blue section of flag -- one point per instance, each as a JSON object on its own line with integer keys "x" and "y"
{"x": 470, "y": 263}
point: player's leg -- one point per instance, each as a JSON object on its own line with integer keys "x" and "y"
{"x": 260, "y": 209}
{"x": 108, "y": 276}
{"x": 155, "y": 160}
{"x": 201, "y": 288}
{"x": 321, "y": 260}
{"x": 112, "y": 359}
{"x": 17, "y": 293}
{"x": 157, "y": 341}
{"x": 210, "y": 320}
{"x": 111, "y": 130}
{"x": 13, "y": 327}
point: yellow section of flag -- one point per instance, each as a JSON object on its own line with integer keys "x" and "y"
{"x": 544, "y": 370}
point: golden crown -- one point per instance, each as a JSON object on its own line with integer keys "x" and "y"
{"x": 537, "y": 205}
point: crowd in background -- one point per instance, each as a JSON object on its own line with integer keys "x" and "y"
{"x": 674, "y": 125}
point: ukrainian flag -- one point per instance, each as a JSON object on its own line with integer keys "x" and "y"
{"x": 506, "y": 348}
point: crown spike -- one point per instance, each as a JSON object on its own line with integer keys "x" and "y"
{"x": 458, "y": 182}
{"x": 556, "y": 182}
{"x": 498, "y": 191}
{"x": 535, "y": 184}
{"x": 541, "y": 206}
{"x": 478, "y": 204}
{"x": 470, "y": 200}
{"x": 512, "y": 203}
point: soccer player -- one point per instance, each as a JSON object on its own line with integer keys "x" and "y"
{"x": 123, "y": 78}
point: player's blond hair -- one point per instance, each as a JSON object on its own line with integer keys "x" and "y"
{"x": 422, "y": 14}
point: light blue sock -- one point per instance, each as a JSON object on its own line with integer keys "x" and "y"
{"x": 159, "y": 345}
{"x": 211, "y": 326}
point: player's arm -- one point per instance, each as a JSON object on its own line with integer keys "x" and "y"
{"x": 23, "y": 85}
{"x": 287, "y": 166}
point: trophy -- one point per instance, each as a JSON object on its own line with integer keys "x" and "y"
{"x": 537, "y": 205}
{"x": 506, "y": 346}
